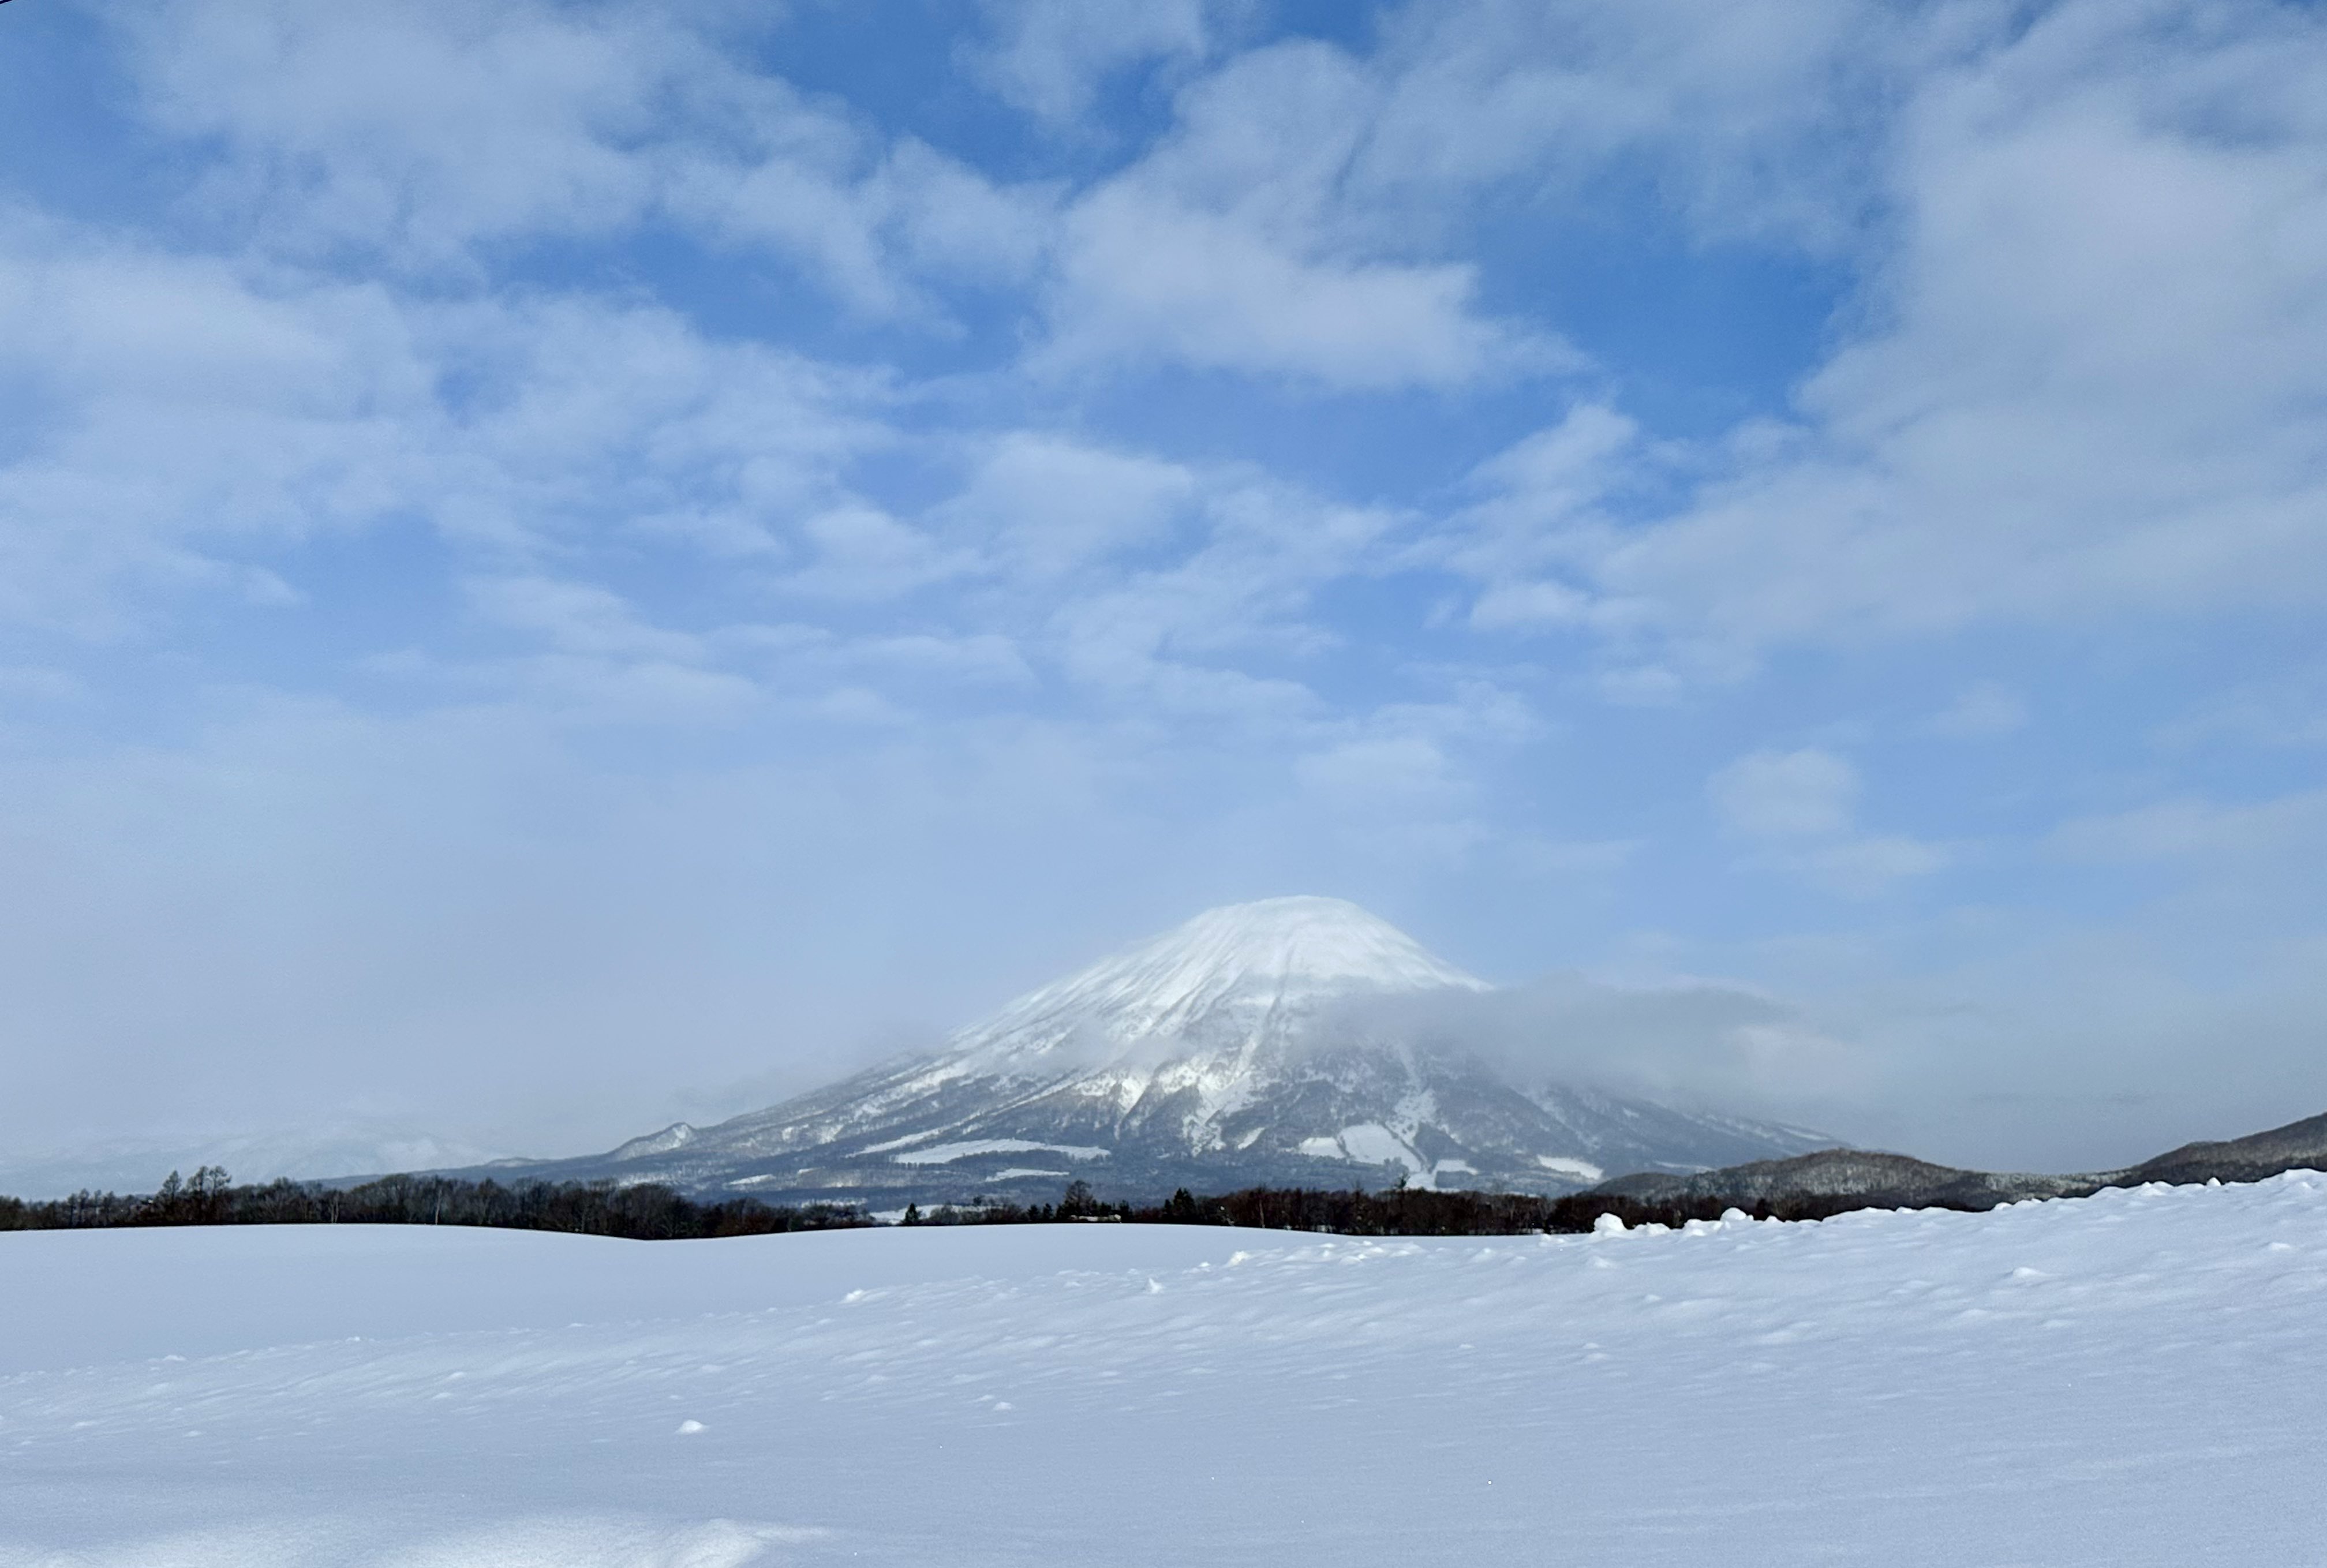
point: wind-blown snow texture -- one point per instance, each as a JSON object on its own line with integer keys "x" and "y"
{"x": 2134, "y": 1378}
{"x": 1260, "y": 1043}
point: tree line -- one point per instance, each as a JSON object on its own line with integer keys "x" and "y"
{"x": 1393, "y": 1211}
{"x": 652, "y": 1212}
{"x": 646, "y": 1212}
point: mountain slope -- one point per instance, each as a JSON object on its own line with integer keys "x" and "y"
{"x": 1256, "y": 1044}
{"x": 1869, "y": 1177}
{"x": 2296, "y": 1146}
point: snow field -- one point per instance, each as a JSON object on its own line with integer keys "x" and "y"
{"x": 2139, "y": 1377}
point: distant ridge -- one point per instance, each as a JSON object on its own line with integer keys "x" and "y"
{"x": 1872, "y": 1179}
{"x": 1876, "y": 1179}
{"x": 2298, "y": 1145}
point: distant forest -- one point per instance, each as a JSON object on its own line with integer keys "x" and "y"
{"x": 592, "y": 1209}
{"x": 648, "y": 1212}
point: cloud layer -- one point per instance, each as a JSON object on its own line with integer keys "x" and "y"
{"x": 649, "y": 552}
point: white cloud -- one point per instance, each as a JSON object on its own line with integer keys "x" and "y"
{"x": 861, "y": 552}
{"x": 819, "y": 663}
{"x": 869, "y": 226}
{"x": 984, "y": 660}
{"x": 419, "y": 139}
{"x": 1407, "y": 760}
{"x": 1241, "y": 594}
{"x": 1382, "y": 774}
{"x": 1980, "y": 711}
{"x": 578, "y": 617}
{"x": 1538, "y": 604}
{"x": 2199, "y": 830}
{"x": 1231, "y": 247}
{"x": 576, "y": 688}
{"x": 37, "y": 683}
{"x": 1751, "y": 118}
{"x": 1804, "y": 794}
{"x": 1866, "y": 864}
{"x": 581, "y": 414}
{"x": 1403, "y": 780}
{"x": 418, "y": 131}
{"x": 1541, "y": 494}
{"x": 1049, "y": 505}
{"x": 1683, "y": 1040}
{"x": 950, "y": 221}
{"x": 1052, "y": 61}
{"x": 1803, "y": 807}
{"x": 186, "y": 411}
{"x": 2287, "y": 709}
{"x": 2082, "y": 381}
{"x": 1143, "y": 647}
{"x": 1140, "y": 277}
{"x": 202, "y": 420}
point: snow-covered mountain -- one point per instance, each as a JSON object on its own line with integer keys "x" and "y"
{"x": 1258, "y": 1043}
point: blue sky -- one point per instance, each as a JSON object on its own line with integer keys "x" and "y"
{"x": 566, "y": 564}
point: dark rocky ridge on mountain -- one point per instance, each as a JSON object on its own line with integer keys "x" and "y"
{"x": 1871, "y": 1180}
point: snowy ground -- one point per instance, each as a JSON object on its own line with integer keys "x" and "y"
{"x": 2139, "y": 1377}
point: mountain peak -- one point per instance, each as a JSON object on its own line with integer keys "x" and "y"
{"x": 1305, "y": 939}
{"x": 1274, "y": 958}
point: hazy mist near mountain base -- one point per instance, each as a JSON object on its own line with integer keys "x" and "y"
{"x": 1697, "y": 1044}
